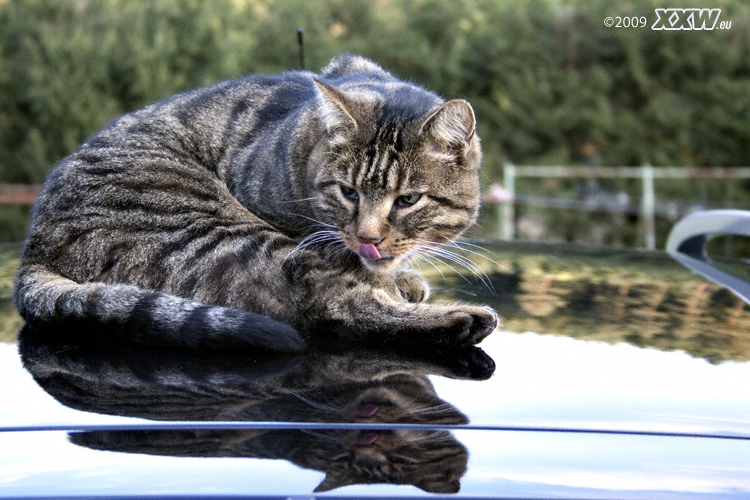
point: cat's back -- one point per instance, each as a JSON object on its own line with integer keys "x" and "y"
{"x": 201, "y": 123}
{"x": 189, "y": 136}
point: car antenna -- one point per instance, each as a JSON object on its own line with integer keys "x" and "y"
{"x": 301, "y": 43}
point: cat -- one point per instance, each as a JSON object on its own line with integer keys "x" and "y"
{"x": 261, "y": 211}
{"x": 327, "y": 385}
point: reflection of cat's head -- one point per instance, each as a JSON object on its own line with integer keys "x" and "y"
{"x": 431, "y": 460}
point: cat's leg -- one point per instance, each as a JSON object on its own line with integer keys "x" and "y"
{"x": 367, "y": 306}
{"x": 258, "y": 269}
{"x": 459, "y": 324}
{"x": 411, "y": 286}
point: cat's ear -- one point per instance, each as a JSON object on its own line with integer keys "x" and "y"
{"x": 336, "y": 109}
{"x": 453, "y": 124}
{"x": 333, "y": 481}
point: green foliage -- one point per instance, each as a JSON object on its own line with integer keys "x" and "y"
{"x": 547, "y": 77}
{"x": 14, "y": 222}
{"x": 10, "y": 321}
{"x": 67, "y": 68}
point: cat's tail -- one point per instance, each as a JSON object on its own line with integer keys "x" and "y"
{"x": 146, "y": 316}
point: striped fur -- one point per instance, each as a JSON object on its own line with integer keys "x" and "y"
{"x": 241, "y": 210}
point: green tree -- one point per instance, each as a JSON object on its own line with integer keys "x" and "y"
{"x": 546, "y": 77}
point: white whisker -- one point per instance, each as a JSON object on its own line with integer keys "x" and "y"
{"x": 441, "y": 250}
{"x": 327, "y": 407}
{"x": 427, "y": 259}
{"x": 298, "y": 201}
{"x": 340, "y": 250}
{"x": 459, "y": 245}
{"x": 314, "y": 239}
{"x": 324, "y": 224}
{"x": 425, "y": 252}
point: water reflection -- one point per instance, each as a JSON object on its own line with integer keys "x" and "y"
{"x": 330, "y": 383}
{"x": 612, "y": 295}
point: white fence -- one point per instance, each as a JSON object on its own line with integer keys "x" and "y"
{"x": 646, "y": 174}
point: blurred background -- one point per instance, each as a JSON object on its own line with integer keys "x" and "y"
{"x": 551, "y": 84}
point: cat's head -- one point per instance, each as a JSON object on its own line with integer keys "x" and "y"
{"x": 396, "y": 172}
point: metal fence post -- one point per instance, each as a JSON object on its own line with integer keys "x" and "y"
{"x": 648, "y": 206}
{"x": 508, "y": 209}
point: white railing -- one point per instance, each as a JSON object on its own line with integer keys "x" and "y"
{"x": 646, "y": 174}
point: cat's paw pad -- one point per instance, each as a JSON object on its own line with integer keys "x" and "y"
{"x": 472, "y": 324}
{"x": 473, "y": 363}
{"x": 412, "y": 287}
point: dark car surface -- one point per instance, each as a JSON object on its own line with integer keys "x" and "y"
{"x": 616, "y": 374}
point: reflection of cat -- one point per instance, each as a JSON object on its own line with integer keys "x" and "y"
{"x": 298, "y": 197}
{"x": 83, "y": 370}
{"x": 432, "y": 460}
{"x": 351, "y": 385}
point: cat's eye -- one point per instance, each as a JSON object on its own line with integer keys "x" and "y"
{"x": 349, "y": 193}
{"x": 408, "y": 200}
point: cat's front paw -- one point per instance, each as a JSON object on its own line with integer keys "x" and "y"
{"x": 469, "y": 325}
{"x": 412, "y": 287}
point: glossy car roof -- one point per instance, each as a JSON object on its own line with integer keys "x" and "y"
{"x": 528, "y": 415}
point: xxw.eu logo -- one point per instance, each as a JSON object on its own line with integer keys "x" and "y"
{"x": 688, "y": 19}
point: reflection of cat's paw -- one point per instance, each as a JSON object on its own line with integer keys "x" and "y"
{"x": 412, "y": 287}
{"x": 473, "y": 363}
{"x": 471, "y": 324}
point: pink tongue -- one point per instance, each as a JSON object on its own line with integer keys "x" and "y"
{"x": 368, "y": 251}
{"x": 366, "y": 439}
{"x": 366, "y": 410}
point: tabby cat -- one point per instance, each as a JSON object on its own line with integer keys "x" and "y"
{"x": 260, "y": 209}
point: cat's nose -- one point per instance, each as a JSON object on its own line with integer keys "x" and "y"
{"x": 369, "y": 238}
